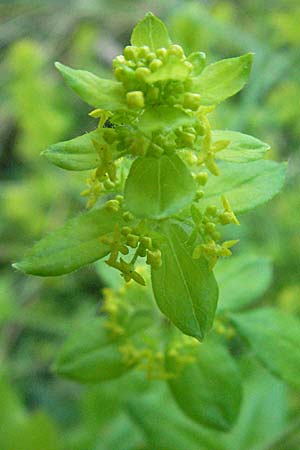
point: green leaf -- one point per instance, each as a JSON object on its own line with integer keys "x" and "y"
{"x": 242, "y": 148}
{"x": 91, "y": 354}
{"x": 97, "y": 92}
{"x": 172, "y": 69}
{"x": 198, "y": 60}
{"x": 263, "y": 414}
{"x": 74, "y": 245}
{"x": 235, "y": 279}
{"x": 77, "y": 154}
{"x": 166, "y": 428}
{"x": 150, "y": 31}
{"x": 247, "y": 185}
{"x": 153, "y": 189}
{"x": 164, "y": 118}
{"x": 222, "y": 79}
{"x": 184, "y": 288}
{"x": 274, "y": 338}
{"x": 209, "y": 389}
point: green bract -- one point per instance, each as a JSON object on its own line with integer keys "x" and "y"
{"x": 162, "y": 182}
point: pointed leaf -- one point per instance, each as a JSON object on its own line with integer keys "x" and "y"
{"x": 274, "y": 338}
{"x": 152, "y": 32}
{"x": 153, "y": 189}
{"x": 208, "y": 389}
{"x": 74, "y": 245}
{"x": 164, "y": 118}
{"x": 222, "y": 79}
{"x": 263, "y": 414}
{"x": 172, "y": 69}
{"x": 77, "y": 154}
{"x": 166, "y": 428}
{"x": 235, "y": 279}
{"x": 247, "y": 185}
{"x": 184, "y": 288}
{"x": 97, "y": 92}
{"x": 242, "y": 148}
{"x": 91, "y": 354}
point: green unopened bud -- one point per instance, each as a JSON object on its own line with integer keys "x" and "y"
{"x": 201, "y": 178}
{"x": 112, "y": 205}
{"x": 127, "y": 216}
{"x": 135, "y": 99}
{"x": 126, "y": 230}
{"x": 211, "y": 210}
{"x": 188, "y": 139}
{"x": 130, "y": 52}
{"x": 191, "y": 100}
{"x": 132, "y": 240}
{"x": 142, "y": 73}
{"x": 199, "y": 195}
{"x": 119, "y": 73}
{"x": 143, "y": 51}
{"x": 154, "y": 259}
{"x": 119, "y": 198}
{"x": 225, "y": 218}
{"x": 108, "y": 184}
{"x": 176, "y": 50}
{"x": 188, "y": 65}
{"x": 216, "y": 235}
{"x": 155, "y": 64}
{"x": 146, "y": 241}
{"x": 161, "y": 53}
{"x": 210, "y": 227}
{"x": 153, "y": 93}
{"x": 110, "y": 135}
{"x": 151, "y": 56}
{"x": 198, "y": 251}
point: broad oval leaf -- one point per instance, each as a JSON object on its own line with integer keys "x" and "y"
{"x": 158, "y": 187}
{"x": 150, "y": 31}
{"x": 97, "y": 92}
{"x": 164, "y": 118}
{"x": 242, "y": 280}
{"x": 91, "y": 354}
{"x": 264, "y": 412}
{"x": 242, "y": 147}
{"x": 167, "y": 428}
{"x": 74, "y": 245}
{"x": 274, "y": 338}
{"x": 184, "y": 288}
{"x": 172, "y": 69}
{"x": 76, "y": 154}
{"x": 208, "y": 389}
{"x": 222, "y": 79}
{"x": 247, "y": 185}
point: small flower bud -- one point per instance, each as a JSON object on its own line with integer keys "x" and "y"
{"x": 135, "y": 99}
{"x": 201, "y": 178}
{"x": 146, "y": 241}
{"x": 143, "y": 51}
{"x": 153, "y": 93}
{"x": 112, "y": 205}
{"x": 130, "y": 52}
{"x": 191, "y": 100}
{"x": 176, "y": 50}
{"x": 126, "y": 230}
{"x": 132, "y": 240}
{"x": 155, "y": 64}
{"x": 127, "y": 216}
{"x": 154, "y": 259}
{"x": 199, "y": 195}
{"x": 211, "y": 210}
{"x": 142, "y": 73}
{"x": 119, "y": 73}
{"x": 161, "y": 53}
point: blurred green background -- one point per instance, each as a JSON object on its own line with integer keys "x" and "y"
{"x": 37, "y": 110}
